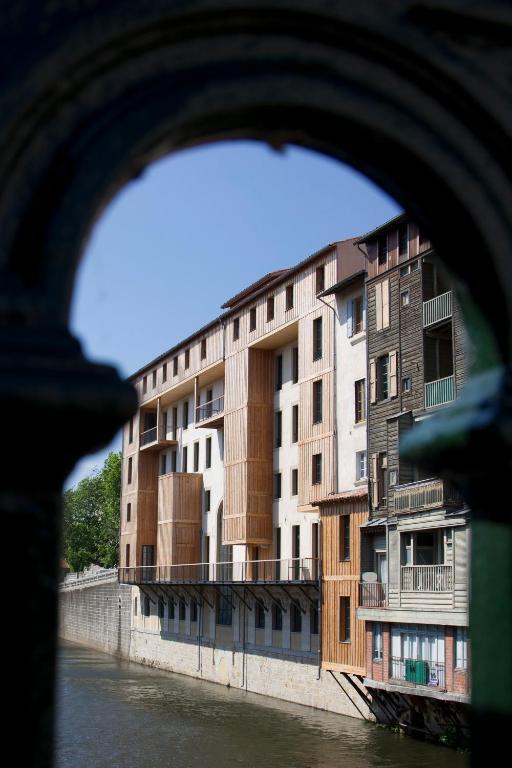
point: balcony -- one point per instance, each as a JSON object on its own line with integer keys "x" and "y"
{"x": 437, "y": 310}
{"x": 416, "y": 672}
{"x": 211, "y": 414}
{"x": 425, "y": 494}
{"x": 372, "y": 594}
{"x": 426, "y": 578}
{"x": 439, "y": 391}
{"x": 157, "y": 438}
{"x": 303, "y": 570}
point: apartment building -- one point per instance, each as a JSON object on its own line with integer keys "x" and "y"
{"x": 415, "y": 544}
{"x": 240, "y": 439}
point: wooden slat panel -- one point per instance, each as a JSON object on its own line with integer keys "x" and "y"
{"x": 179, "y": 518}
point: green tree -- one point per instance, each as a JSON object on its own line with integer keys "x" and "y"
{"x": 91, "y": 518}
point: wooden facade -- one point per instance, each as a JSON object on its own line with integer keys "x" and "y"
{"x": 179, "y": 518}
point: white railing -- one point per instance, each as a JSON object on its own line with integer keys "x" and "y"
{"x": 439, "y": 391}
{"x": 87, "y": 578}
{"x": 437, "y": 309}
{"x": 210, "y": 409}
{"x": 427, "y": 578}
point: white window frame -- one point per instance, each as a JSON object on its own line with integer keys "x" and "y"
{"x": 361, "y": 456}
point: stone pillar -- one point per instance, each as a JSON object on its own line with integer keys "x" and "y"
{"x": 285, "y": 634}
{"x": 268, "y": 625}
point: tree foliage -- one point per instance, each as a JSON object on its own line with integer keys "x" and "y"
{"x": 91, "y": 518}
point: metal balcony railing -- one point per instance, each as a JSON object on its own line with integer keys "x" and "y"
{"x": 372, "y": 594}
{"x": 298, "y": 569}
{"x": 149, "y": 436}
{"x": 418, "y": 672}
{"x": 437, "y": 309}
{"x": 210, "y": 409}
{"x": 439, "y": 391}
{"x": 425, "y": 494}
{"x": 426, "y": 578}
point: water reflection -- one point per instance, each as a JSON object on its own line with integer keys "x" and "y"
{"x": 113, "y": 713}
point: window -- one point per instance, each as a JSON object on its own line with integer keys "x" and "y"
{"x": 415, "y": 266}
{"x": 377, "y": 641}
{"x": 130, "y": 466}
{"x": 161, "y": 608}
{"x": 173, "y": 461}
{"x": 461, "y": 648}
{"x": 379, "y": 478}
{"x": 295, "y": 364}
{"x": 259, "y": 618}
{"x": 185, "y": 414}
{"x": 127, "y": 556}
{"x": 184, "y": 460}
{"x": 207, "y": 500}
{"x": 295, "y": 619}
{"x": 358, "y": 315}
{"x": 252, "y": 319}
{"x": 130, "y": 431}
{"x": 344, "y": 538}
{"x": 154, "y": 379}
{"x": 279, "y": 372}
{"x": 278, "y": 429}
{"x": 144, "y": 385}
{"x": 393, "y": 477}
{"x": 187, "y": 358}
{"x": 405, "y": 270}
{"x": 182, "y": 610}
{"x": 209, "y": 403}
{"x": 360, "y": 400}
{"x": 175, "y": 366}
{"x": 208, "y": 459}
{"x": 224, "y": 608}
{"x": 320, "y": 279}
{"x": 404, "y": 298}
{"x": 236, "y": 329}
{"x": 289, "y": 297}
{"x": 403, "y": 242}
{"x": 295, "y": 423}
{"x": 317, "y": 468}
{"x": 295, "y": 481}
{"x": 128, "y": 512}
{"x": 317, "y": 338}
{"x": 314, "y": 616}
{"x": 277, "y": 485}
{"x": 406, "y": 385}
{"x": 163, "y": 464}
{"x": 147, "y": 607}
{"x": 277, "y": 618}
{"x": 382, "y": 248}
{"x": 382, "y": 377}
{"x": 270, "y": 309}
{"x": 135, "y": 607}
{"x": 164, "y": 372}
{"x": 344, "y": 619}
{"x": 361, "y": 466}
{"x": 203, "y": 349}
{"x": 193, "y": 617}
{"x": 382, "y": 305}
{"x": 317, "y": 401}
{"x": 170, "y": 609}
{"x": 196, "y": 457}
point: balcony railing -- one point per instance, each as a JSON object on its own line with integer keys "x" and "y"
{"x": 417, "y": 672}
{"x": 149, "y": 436}
{"x": 427, "y": 578}
{"x": 372, "y": 594}
{"x": 156, "y": 437}
{"x": 297, "y": 569}
{"x": 425, "y": 494}
{"x": 439, "y": 391}
{"x": 437, "y": 309}
{"x": 211, "y": 409}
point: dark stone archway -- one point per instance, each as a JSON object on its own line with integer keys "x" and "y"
{"x": 417, "y": 95}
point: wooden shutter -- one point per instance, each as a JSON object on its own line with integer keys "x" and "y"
{"x": 373, "y": 382}
{"x": 378, "y": 306}
{"x": 375, "y": 480}
{"x": 392, "y": 374}
{"x": 385, "y": 304}
{"x": 350, "y": 318}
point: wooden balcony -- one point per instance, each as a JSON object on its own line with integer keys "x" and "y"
{"x": 439, "y": 392}
{"x": 437, "y": 310}
{"x": 211, "y": 414}
{"x": 426, "y": 578}
{"x": 156, "y": 438}
{"x": 425, "y": 494}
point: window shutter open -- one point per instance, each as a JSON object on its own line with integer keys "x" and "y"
{"x": 378, "y": 306}
{"x": 385, "y": 303}
{"x": 393, "y": 374}
{"x": 375, "y": 480}
{"x": 350, "y": 318}
{"x": 373, "y": 382}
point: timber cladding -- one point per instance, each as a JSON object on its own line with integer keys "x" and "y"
{"x": 141, "y": 495}
{"x": 179, "y": 518}
{"x": 341, "y": 576}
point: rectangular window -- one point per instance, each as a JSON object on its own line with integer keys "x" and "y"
{"x": 236, "y": 329}
{"x": 360, "y": 400}
{"x": 175, "y": 366}
{"x": 127, "y": 556}
{"x": 185, "y": 415}
{"x": 295, "y": 364}
{"x": 277, "y": 618}
{"x": 279, "y": 372}
{"x": 461, "y": 648}
{"x": 207, "y": 501}
{"x": 382, "y": 245}
{"x": 160, "y": 608}
{"x": 377, "y": 641}
{"x": 361, "y": 466}
{"x": 289, "y": 296}
{"x": 146, "y": 607}
{"x": 382, "y": 377}
{"x": 278, "y": 429}
{"x": 130, "y": 468}
{"x": 170, "y": 609}
{"x": 144, "y": 385}
{"x": 344, "y": 619}
{"x": 403, "y": 242}
{"x": 164, "y": 372}
{"x": 270, "y": 309}
{"x": 252, "y": 319}
{"x": 406, "y": 385}
{"x": 128, "y": 512}
{"x": 224, "y": 608}
{"x": 358, "y": 315}
{"x": 193, "y": 607}
{"x": 344, "y": 539}
{"x": 184, "y": 460}
{"x": 295, "y": 482}
{"x": 317, "y": 401}
{"x": 196, "y": 457}
{"x": 404, "y": 298}
{"x": 163, "y": 464}
{"x": 277, "y": 485}
{"x": 130, "y": 431}
{"x": 317, "y": 468}
{"x": 187, "y": 358}
{"x": 320, "y": 279}
{"x": 183, "y": 610}
{"x": 174, "y": 423}
{"x": 203, "y": 349}
{"x": 295, "y": 619}
{"x": 154, "y": 379}
{"x": 208, "y": 459}
{"x": 173, "y": 461}
{"x": 259, "y": 618}
{"x": 317, "y": 338}
{"x": 295, "y": 423}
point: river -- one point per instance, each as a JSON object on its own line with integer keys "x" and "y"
{"x": 119, "y": 714}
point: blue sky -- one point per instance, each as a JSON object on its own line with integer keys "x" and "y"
{"x": 195, "y": 229}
